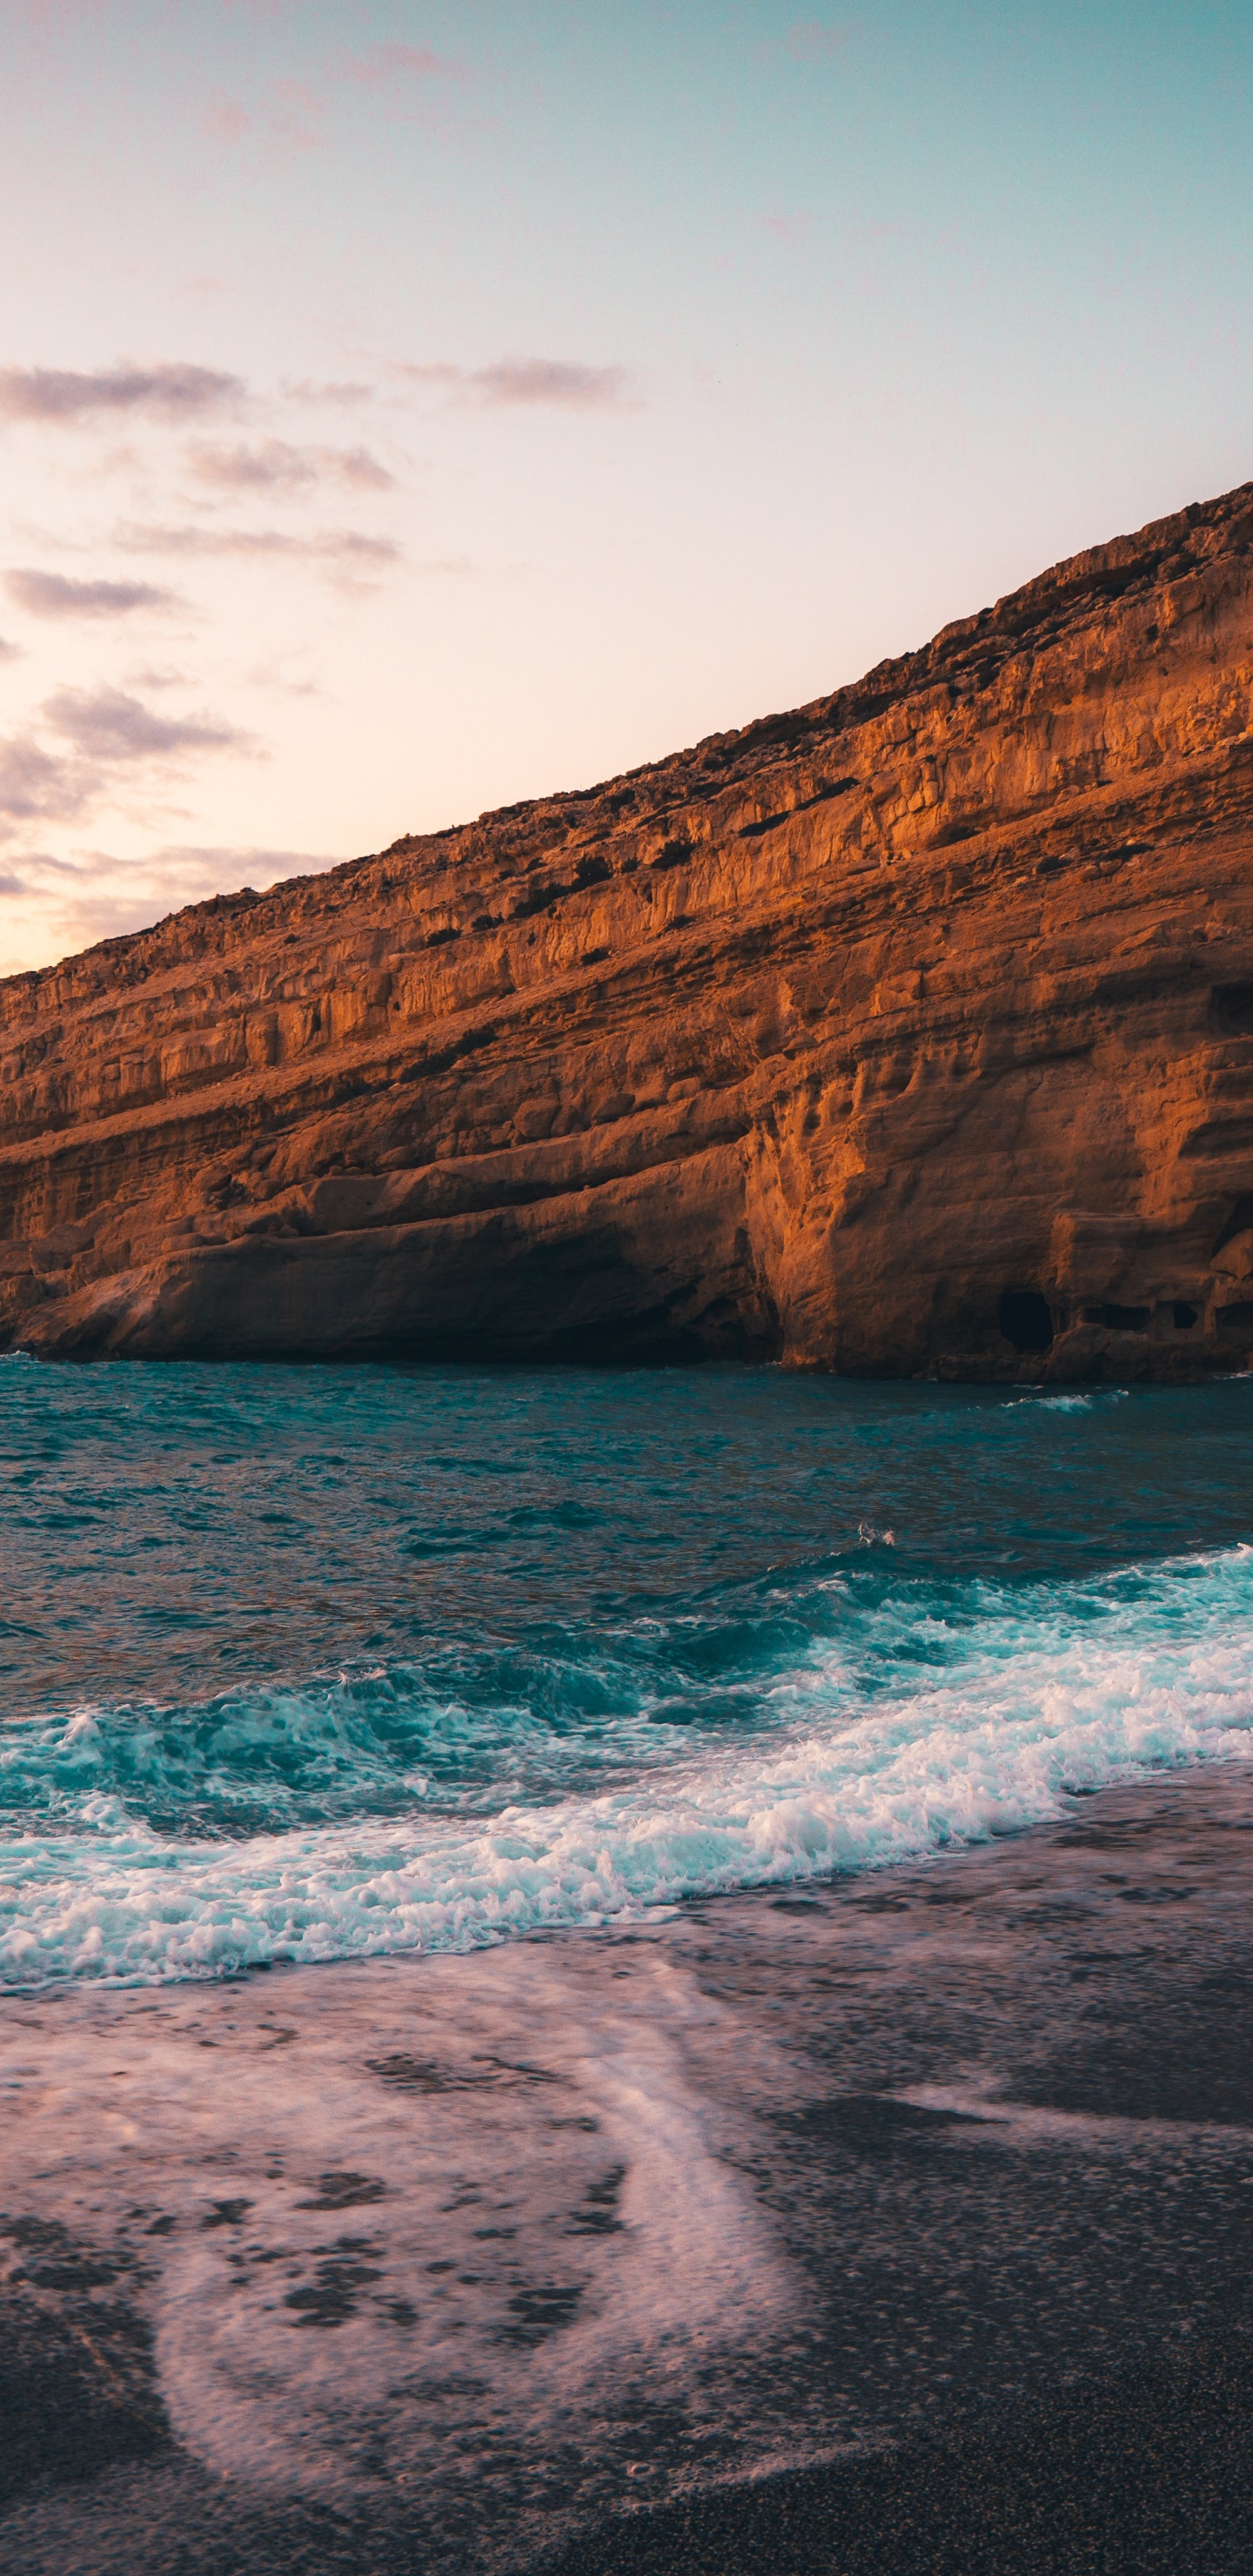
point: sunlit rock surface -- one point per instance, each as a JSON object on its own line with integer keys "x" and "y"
{"x": 912, "y": 1031}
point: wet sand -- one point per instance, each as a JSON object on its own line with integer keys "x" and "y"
{"x": 902, "y": 2224}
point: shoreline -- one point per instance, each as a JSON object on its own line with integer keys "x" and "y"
{"x": 791, "y": 2226}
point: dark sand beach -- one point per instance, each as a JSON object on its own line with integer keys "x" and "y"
{"x": 902, "y": 2223}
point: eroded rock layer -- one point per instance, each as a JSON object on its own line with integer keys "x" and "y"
{"x": 909, "y": 1032}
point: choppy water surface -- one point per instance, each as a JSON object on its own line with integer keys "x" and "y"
{"x": 302, "y": 1663}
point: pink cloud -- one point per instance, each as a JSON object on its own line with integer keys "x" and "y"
{"x": 40, "y": 11}
{"x": 339, "y": 548}
{"x": 225, "y": 120}
{"x": 49, "y": 594}
{"x": 565, "y": 384}
{"x": 353, "y": 563}
{"x": 109, "y": 726}
{"x": 103, "y": 735}
{"x": 39, "y": 786}
{"x": 295, "y": 110}
{"x": 169, "y": 392}
{"x": 295, "y": 115}
{"x": 395, "y": 61}
{"x": 69, "y": 903}
{"x": 304, "y": 390}
{"x": 276, "y": 466}
{"x": 551, "y": 380}
{"x": 811, "y": 42}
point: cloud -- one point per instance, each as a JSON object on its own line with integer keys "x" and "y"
{"x": 54, "y": 906}
{"x": 97, "y": 735}
{"x": 58, "y": 395}
{"x": 337, "y": 550}
{"x": 9, "y": 652}
{"x": 48, "y": 594}
{"x": 296, "y": 110}
{"x": 276, "y": 466}
{"x": 225, "y": 120}
{"x": 552, "y": 380}
{"x": 295, "y": 113}
{"x": 107, "y": 726}
{"x": 811, "y": 42}
{"x": 305, "y": 391}
{"x": 564, "y": 383}
{"x": 788, "y": 227}
{"x": 398, "y": 62}
{"x": 39, "y": 786}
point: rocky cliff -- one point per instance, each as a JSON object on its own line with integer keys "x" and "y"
{"x": 912, "y": 1031}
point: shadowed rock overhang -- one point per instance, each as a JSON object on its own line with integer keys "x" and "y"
{"x": 909, "y": 1032}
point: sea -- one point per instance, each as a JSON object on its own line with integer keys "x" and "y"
{"x": 312, "y": 1664}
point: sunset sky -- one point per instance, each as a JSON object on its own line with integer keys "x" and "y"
{"x": 405, "y": 410}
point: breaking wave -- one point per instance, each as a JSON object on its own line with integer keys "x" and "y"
{"x": 840, "y": 1716}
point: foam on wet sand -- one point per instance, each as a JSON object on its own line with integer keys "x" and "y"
{"x": 457, "y": 2261}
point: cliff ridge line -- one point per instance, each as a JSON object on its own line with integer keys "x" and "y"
{"x": 909, "y": 1032}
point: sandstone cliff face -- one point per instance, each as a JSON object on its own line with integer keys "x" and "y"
{"x": 909, "y": 1032}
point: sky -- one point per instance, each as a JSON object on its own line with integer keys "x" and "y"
{"x": 405, "y": 410}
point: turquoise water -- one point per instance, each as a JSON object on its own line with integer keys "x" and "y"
{"x": 303, "y": 1663}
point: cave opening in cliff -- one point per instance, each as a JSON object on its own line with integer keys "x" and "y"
{"x": 1236, "y": 1322}
{"x": 1025, "y": 1319}
{"x": 1231, "y": 1009}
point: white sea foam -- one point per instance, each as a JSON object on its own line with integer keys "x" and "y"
{"x": 1102, "y": 1683}
{"x": 1067, "y": 1403}
{"x": 514, "y": 2177}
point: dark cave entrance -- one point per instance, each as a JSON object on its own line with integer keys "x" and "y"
{"x": 1025, "y": 1319}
